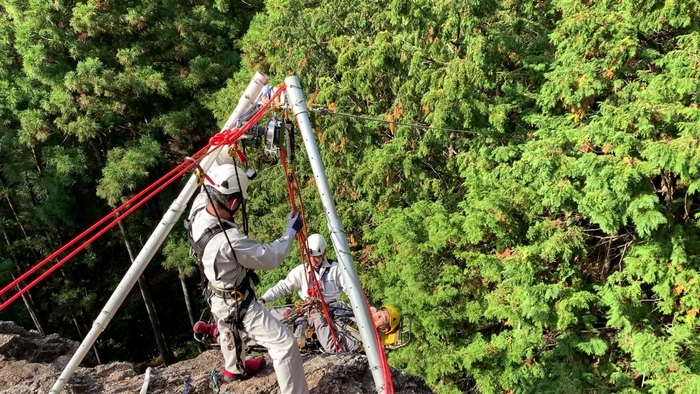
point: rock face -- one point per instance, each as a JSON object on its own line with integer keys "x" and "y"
{"x": 16, "y": 343}
{"x": 31, "y": 363}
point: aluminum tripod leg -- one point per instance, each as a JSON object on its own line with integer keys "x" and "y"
{"x": 340, "y": 242}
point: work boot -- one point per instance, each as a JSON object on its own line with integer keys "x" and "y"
{"x": 251, "y": 366}
{"x": 203, "y": 328}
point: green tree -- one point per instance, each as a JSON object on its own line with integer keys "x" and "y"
{"x": 549, "y": 247}
{"x": 111, "y": 84}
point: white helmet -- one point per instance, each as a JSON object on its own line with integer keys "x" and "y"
{"x": 316, "y": 244}
{"x": 224, "y": 179}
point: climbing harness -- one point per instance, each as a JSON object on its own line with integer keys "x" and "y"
{"x": 241, "y": 295}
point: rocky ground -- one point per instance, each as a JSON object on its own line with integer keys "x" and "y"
{"x": 30, "y": 363}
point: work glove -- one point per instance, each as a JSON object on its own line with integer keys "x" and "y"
{"x": 294, "y": 221}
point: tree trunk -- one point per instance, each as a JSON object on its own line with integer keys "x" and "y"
{"x": 15, "y": 213}
{"x": 32, "y": 195}
{"x": 168, "y": 358}
{"x": 186, "y": 293}
{"x": 82, "y": 338}
{"x": 31, "y": 308}
{"x": 188, "y": 304}
{"x": 28, "y": 301}
{"x": 12, "y": 205}
{"x": 77, "y": 327}
{"x": 37, "y": 160}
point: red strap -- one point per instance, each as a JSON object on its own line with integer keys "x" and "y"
{"x": 179, "y": 171}
{"x": 386, "y": 371}
{"x": 239, "y": 153}
{"x": 313, "y": 285}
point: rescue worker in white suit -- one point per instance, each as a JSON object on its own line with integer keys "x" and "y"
{"x": 228, "y": 259}
{"x": 332, "y": 282}
{"x": 328, "y": 274}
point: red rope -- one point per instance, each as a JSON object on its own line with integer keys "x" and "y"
{"x": 317, "y": 286}
{"x": 94, "y": 226}
{"x": 386, "y": 371}
{"x": 230, "y": 136}
{"x": 94, "y": 237}
{"x": 302, "y": 233}
{"x": 314, "y": 287}
{"x": 225, "y": 137}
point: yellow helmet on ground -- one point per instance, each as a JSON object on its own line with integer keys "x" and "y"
{"x": 394, "y": 318}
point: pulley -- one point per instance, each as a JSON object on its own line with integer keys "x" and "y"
{"x": 272, "y": 134}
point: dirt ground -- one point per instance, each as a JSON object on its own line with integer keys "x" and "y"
{"x": 30, "y": 363}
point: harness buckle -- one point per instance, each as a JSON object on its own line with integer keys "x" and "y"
{"x": 226, "y": 294}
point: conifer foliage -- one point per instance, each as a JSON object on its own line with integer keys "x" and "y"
{"x": 100, "y": 98}
{"x": 551, "y": 246}
{"x": 528, "y": 190}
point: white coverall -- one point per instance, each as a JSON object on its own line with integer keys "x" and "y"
{"x": 329, "y": 276}
{"x": 332, "y": 282}
{"x": 225, "y": 271}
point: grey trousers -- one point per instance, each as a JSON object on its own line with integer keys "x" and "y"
{"x": 348, "y": 337}
{"x": 263, "y": 328}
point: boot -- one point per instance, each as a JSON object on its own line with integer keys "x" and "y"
{"x": 251, "y": 365}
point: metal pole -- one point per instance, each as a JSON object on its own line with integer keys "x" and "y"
{"x": 340, "y": 242}
{"x": 154, "y": 242}
{"x": 146, "y": 381}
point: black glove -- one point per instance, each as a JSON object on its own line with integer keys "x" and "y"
{"x": 294, "y": 221}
